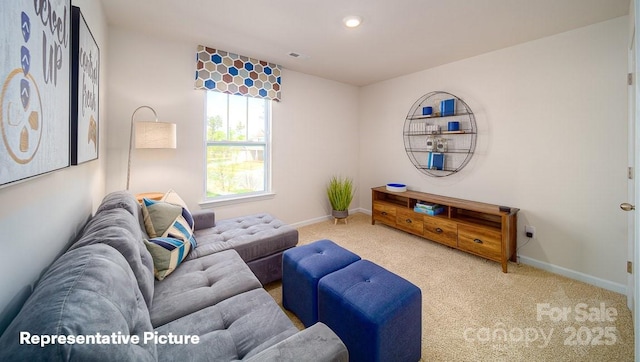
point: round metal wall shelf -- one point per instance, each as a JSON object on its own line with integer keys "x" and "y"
{"x": 440, "y": 134}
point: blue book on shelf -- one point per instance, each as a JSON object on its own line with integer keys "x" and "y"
{"x": 435, "y": 161}
{"x": 427, "y": 205}
{"x": 436, "y": 211}
{"x": 448, "y": 107}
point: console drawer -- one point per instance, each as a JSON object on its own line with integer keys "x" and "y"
{"x": 384, "y": 213}
{"x": 409, "y": 220}
{"x": 441, "y": 230}
{"x": 480, "y": 241}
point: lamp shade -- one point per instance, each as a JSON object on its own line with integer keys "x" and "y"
{"x": 155, "y": 135}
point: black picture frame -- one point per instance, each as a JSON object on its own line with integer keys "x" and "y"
{"x": 85, "y": 91}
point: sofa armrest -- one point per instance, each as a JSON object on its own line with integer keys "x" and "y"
{"x": 203, "y": 219}
{"x": 316, "y": 343}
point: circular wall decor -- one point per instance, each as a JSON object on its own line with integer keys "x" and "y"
{"x": 440, "y": 134}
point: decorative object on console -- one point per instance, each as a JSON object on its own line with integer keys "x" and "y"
{"x": 340, "y": 191}
{"x": 85, "y": 91}
{"x": 150, "y": 135}
{"x": 428, "y": 208}
{"x": 395, "y": 187}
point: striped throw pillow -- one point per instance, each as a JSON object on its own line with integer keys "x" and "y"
{"x": 170, "y": 228}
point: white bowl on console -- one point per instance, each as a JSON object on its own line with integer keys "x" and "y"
{"x": 396, "y": 187}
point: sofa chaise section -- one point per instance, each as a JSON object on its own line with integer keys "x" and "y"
{"x": 260, "y": 239}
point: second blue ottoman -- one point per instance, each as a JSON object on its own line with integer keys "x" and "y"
{"x": 302, "y": 268}
{"x": 377, "y": 314}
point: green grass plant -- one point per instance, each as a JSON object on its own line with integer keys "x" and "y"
{"x": 340, "y": 191}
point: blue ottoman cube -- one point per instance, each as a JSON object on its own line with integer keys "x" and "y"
{"x": 377, "y": 314}
{"x": 302, "y": 268}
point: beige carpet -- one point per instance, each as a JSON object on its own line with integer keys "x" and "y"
{"x": 471, "y": 311}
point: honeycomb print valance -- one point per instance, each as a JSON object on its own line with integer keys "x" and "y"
{"x": 236, "y": 74}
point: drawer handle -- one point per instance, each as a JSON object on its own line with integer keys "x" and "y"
{"x": 439, "y": 231}
{"x": 384, "y": 213}
{"x": 477, "y": 241}
{"x": 408, "y": 221}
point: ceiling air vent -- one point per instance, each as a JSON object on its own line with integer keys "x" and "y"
{"x": 298, "y": 55}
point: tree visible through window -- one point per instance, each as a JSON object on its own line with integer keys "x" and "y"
{"x": 237, "y": 151}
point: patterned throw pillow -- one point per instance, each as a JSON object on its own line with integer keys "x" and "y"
{"x": 167, "y": 254}
{"x": 172, "y": 197}
{"x": 171, "y": 230}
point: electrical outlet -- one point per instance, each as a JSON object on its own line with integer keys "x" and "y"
{"x": 530, "y": 230}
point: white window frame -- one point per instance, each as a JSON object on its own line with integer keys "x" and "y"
{"x": 248, "y": 196}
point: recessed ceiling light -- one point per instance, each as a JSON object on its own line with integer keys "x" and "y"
{"x": 352, "y": 21}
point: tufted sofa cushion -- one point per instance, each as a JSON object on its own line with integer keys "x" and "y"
{"x": 119, "y": 229}
{"x": 230, "y": 330}
{"x": 317, "y": 343}
{"x": 253, "y": 237}
{"x": 86, "y": 291}
{"x": 200, "y": 283}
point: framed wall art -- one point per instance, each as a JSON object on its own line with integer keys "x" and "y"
{"x": 85, "y": 82}
{"x": 34, "y": 96}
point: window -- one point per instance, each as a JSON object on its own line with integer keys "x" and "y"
{"x": 238, "y": 142}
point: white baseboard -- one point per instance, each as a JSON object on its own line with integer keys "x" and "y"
{"x": 327, "y": 217}
{"x": 310, "y": 221}
{"x": 364, "y": 211}
{"x": 589, "y": 279}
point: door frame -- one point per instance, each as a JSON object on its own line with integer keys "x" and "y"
{"x": 633, "y": 290}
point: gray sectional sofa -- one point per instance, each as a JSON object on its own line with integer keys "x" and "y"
{"x": 100, "y": 301}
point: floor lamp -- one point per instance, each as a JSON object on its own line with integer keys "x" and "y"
{"x": 150, "y": 135}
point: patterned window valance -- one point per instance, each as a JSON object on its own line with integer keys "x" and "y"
{"x": 236, "y": 74}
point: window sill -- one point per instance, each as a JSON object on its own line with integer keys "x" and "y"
{"x": 236, "y": 200}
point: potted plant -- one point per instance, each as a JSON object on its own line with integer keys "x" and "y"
{"x": 340, "y": 191}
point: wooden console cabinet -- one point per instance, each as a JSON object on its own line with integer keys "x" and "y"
{"x": 474, "y": 227}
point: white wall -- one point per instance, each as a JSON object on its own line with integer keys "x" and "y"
{"x": 315, "y": 130}
{"x": 40, "y": 216}
{"x": 552, "y": 141}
